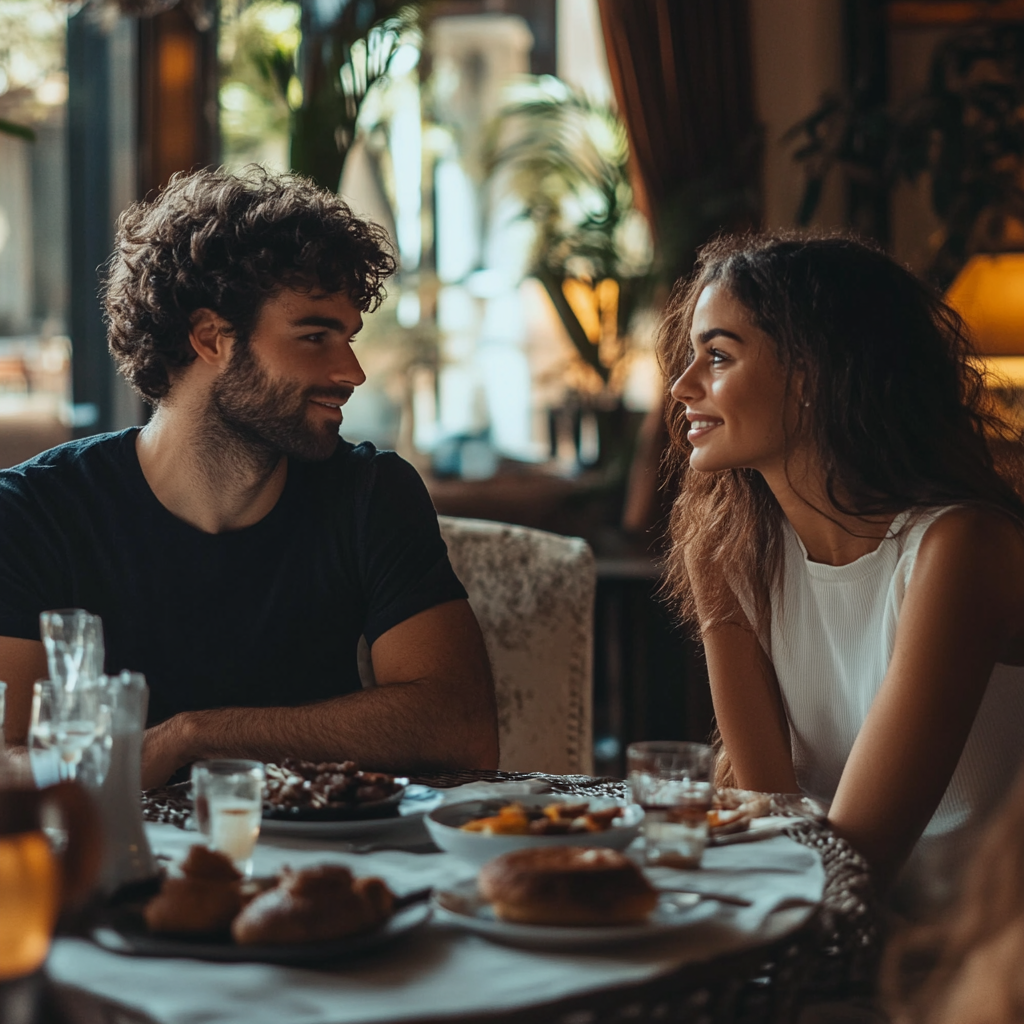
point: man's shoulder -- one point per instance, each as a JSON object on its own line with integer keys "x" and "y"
{"x": 70, "y": 464}
{"x": 364, "y": 464}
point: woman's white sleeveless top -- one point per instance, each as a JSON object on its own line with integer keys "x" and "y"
{"x": 833, "y": 631}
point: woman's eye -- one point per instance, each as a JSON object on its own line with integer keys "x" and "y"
{"x": 716, "y": 355}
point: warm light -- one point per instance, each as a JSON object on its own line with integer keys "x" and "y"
{"x": 989, "y": 294}
{"x": 1002, "y": 371}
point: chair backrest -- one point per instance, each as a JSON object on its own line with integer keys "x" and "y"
{"x": 533, "y": 595}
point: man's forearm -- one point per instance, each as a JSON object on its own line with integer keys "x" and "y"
{"x": 401, "y": 727}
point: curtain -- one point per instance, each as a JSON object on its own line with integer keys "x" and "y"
{"x": 682, "y": 77}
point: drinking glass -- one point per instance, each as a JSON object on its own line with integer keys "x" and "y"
{"x": 73, "y": 640}
{"x": 69, "y": 734}
{"x": 227, "y": 799}
{"x": 672, "y": 782}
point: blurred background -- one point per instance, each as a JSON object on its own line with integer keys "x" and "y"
{"x": 546, "y": 170}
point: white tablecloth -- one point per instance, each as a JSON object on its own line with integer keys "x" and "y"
{"x": 438, "y": 970}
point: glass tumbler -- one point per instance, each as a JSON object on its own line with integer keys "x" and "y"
{"x": 227, "y": 800}
{"x": 671, "y": 780}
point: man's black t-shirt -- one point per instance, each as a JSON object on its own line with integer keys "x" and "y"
{"x": 268, "y": 615}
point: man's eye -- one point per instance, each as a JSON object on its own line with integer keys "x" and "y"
{"x": 318, "y": 337}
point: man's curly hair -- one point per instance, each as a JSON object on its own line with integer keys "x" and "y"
{"x": 227, "y": 242}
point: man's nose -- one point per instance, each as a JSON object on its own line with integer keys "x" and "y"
{"x": 346, "y": 369}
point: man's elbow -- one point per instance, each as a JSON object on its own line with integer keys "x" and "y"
{"x": 478, "y": 744}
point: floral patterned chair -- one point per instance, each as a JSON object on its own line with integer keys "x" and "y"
{"x": 533, "y": 594}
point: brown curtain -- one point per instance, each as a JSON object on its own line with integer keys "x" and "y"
{"x": 682, "y": 75}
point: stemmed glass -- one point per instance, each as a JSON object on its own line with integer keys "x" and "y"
{"x": 69, "y": 733}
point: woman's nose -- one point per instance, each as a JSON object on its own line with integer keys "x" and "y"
{"x": 685, "y": 385}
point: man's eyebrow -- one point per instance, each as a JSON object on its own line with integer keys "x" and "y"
{"x": 330, "y": 322}
{"x": 717, "y": 332}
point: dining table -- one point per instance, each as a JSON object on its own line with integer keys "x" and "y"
{"x": 782, "y": 916}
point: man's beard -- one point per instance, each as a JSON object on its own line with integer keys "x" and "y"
{"x": 272, "y": 417}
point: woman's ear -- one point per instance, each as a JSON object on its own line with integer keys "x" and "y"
{"x": 211, "y": 337}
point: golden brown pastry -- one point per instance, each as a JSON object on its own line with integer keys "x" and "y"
{"x": 567, "y": 885}
{"x": 315, "y": 905}
{"x": 205, "y": 899}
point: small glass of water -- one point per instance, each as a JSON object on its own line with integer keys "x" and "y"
{"x": 227, "y": 800}
{"x": 671, "y": 780}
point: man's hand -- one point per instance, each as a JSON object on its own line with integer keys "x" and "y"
{"x": 164, "y": 751}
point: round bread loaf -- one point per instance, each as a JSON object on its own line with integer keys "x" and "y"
{"x": 204, "y": 899}
{"x": 567, "y": 885}
{"x": 318, "y": 904}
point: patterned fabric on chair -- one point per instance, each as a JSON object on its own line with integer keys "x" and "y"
{"x": 533, "y": 594}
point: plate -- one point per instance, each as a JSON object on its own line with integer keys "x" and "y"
{"x": 346, "y": 812}
{"x": 461, "y": 905}
{"x": 416, "y": 801}
{"x": 125, "y": 932}
{"x": 444, "y": 823}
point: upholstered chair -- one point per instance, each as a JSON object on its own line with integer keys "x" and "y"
{"x": 533, "y": 595}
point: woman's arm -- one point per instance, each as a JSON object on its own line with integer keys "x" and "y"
{"x": 964, "y": 606}
{"x": 745, "y": 693}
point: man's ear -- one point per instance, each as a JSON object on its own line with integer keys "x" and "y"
{"x": 211, "y": 337}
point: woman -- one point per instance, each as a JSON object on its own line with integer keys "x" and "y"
{"x": 844, "y": 542}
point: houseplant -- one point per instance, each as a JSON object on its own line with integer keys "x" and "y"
{"x": 964, "y": 130}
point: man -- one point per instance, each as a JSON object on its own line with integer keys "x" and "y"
{"x": 235, "y": 547}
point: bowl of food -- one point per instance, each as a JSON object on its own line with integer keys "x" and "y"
{"x": 479, "y": 830}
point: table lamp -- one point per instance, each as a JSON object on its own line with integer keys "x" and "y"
{"x": 989, "y": 294}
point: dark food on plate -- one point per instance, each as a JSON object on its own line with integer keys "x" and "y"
{"x": 554, "y": 819}
{"x": 567, "y": 885}
{"x": 318, "y": 904}
{"x": 315, "y": 905}
{"x": 305, "y": 789}
{"x": 205, "y": 899}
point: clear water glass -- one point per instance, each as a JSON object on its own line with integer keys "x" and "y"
{"x": 671, "y": 780}
{"x": 69, "y": 734}
{"x": 227, "y": 801}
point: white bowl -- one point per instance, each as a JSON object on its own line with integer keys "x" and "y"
{"x": 444, "y": 823}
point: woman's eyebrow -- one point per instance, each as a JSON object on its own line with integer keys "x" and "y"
{"x": 716, "y": 332}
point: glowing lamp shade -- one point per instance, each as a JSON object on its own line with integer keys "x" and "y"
{"x": 989, "y": 294}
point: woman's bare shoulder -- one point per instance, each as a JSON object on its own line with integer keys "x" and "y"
{"x": 976, "y": 530}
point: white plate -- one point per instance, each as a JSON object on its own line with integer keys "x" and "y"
{"x": 462, "y": 905}
{"x": 444, "y": 826}
{"x": 416, "y": 801}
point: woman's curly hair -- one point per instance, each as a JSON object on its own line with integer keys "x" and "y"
{"x": 227, "y": 242}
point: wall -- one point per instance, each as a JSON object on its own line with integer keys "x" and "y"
{"x": 798, "y": 56}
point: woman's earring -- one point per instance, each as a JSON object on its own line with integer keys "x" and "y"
{"x": 806, "y": 403}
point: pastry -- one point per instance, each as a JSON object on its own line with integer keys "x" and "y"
{"x": 567, "y": 885}
{"x": 315, "y": 905}
{"x": 205, "y": 899}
